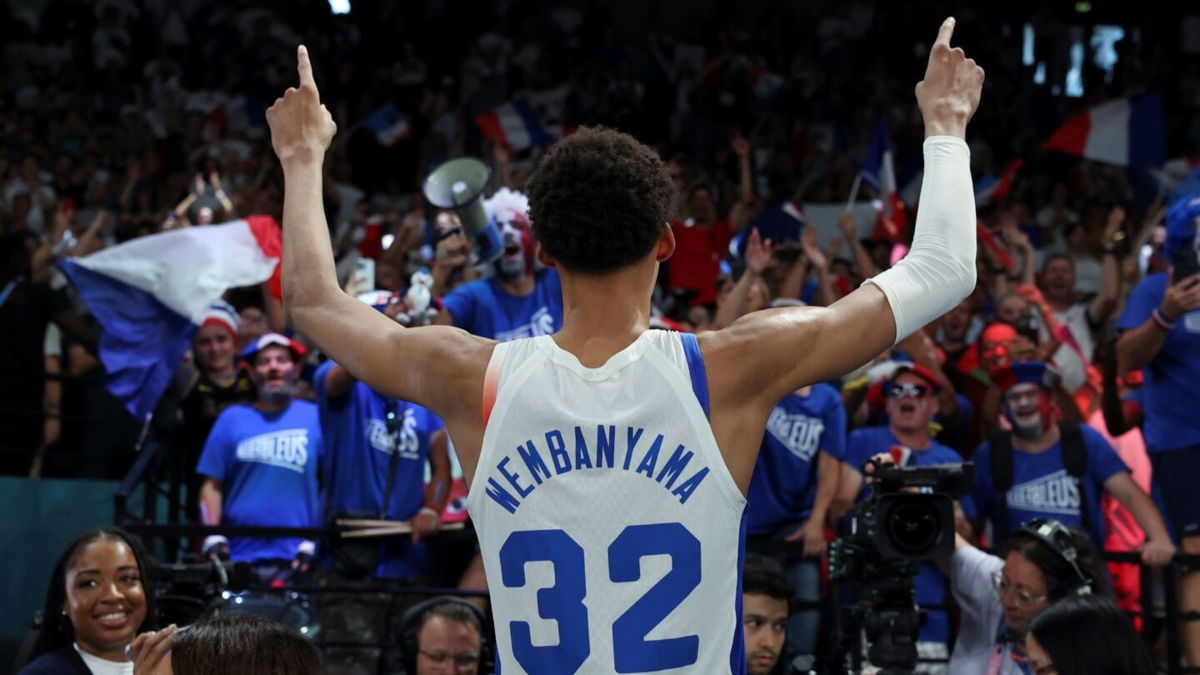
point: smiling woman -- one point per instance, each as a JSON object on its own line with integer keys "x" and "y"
{"x": 96, "y": 602}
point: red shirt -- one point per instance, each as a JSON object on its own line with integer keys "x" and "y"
{"x": 696, "y": 263}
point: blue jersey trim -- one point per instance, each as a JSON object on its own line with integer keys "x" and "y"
{"x": 737, "y": 653}
{"x": 691, "y": 350}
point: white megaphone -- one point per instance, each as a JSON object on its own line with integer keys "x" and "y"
{"x": 458, "y": 185}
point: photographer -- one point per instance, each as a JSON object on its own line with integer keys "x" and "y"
{"x": 1161, "y": 333}
{"x": 1039, "y": 565}
{"x": 912, "y": 402}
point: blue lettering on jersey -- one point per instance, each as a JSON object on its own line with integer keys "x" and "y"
{"x": 668, "y": 474}
{"x": 581, "y": 450}
{"x": 558, "y": 451}
{"x": 606, "y": 446}
{"x": 651, "y": 457}
{"x": 533, "y": 461}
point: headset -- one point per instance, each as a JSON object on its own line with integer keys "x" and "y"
{"x": 1057, "y": 537}
{"x": 413, "y": 618}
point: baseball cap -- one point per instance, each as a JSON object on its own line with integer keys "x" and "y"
{"x": 920, "y": 371}
{"x": 298, "y": 351}
{"x": 1025, "y": 372}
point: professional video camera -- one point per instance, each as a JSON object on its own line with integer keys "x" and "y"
{"x": 908, "y": 518}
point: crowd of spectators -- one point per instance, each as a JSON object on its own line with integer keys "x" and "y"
{"x": 120, "y": 119}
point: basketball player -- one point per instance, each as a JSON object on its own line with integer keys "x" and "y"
{"x": 608, "y": 463}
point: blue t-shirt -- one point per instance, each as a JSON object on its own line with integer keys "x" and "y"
{"x": 1043, "y": 489}
{"x": 485, "y": 309}
{"x": 357, "y": 459}
{"x": 930, "y": 582}
{"x": 785, "y": 478}
{"x": 267, "y": 463}
{"x": 1172, "y": 397}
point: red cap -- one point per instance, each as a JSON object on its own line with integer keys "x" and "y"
{"x": 921, "y": 372}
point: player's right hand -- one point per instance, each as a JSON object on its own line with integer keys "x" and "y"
{"x": 301, "y": 128}
{"x": 950, "y": 91}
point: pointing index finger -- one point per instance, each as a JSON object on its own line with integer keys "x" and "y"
{"x": 305, "y": 67}
{"x": 945, "y": 32}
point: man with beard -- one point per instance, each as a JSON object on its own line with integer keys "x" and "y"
{"x": 912, "y": 401}
{"x": 1042, "y": 485}
{"x": 519, "y": 301}
{"x": 260, "y": 464}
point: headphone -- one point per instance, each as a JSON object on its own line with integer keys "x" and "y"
{"x": 1055, "y": 536}
{"x": 413, "y": 619}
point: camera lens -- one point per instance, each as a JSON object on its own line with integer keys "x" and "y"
{"x": 913, "y": 527}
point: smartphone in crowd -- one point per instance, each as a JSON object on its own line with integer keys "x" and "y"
{"x": 1186, "y": 262}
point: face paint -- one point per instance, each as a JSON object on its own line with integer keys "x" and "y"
{"x": 1030, "y": 418}
{"x": 517, "y": 260}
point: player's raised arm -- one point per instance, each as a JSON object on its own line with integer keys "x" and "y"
{"x": 766, "y": 355}
{"x": 411, "y": 364}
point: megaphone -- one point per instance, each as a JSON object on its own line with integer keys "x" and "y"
{"x": 458, "y": 185}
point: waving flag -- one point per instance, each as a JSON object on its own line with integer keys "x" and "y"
{"x": 515, "y": 125}
{"x": 990, "y": 187}
{"x": 1125, "y": 132}
{"x": 878, "y": 171}
{"x": 150, "y": 294}
{"x": 388, "y": 124}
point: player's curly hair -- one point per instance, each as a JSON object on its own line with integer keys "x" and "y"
{"x": 599, "y": 200}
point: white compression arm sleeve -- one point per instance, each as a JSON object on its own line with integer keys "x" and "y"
{"x": 939, "y": 271}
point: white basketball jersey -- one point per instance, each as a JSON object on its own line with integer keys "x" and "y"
{"x": 610, "y": 527}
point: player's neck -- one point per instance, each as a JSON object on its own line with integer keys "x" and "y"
{"x": 604, "y": 314}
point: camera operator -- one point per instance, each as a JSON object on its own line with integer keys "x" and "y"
{"x": 912, "y": 402}
{"x": 1039, "y": 565}
{"x": 1161, "y": 333}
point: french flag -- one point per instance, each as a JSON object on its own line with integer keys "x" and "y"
{"x": 990, "y": 188}
{"x": 388, "y": 124}
{"x": 1126, "y": 132}
{"x": 515, "y": 125}
{"x": 151, "y": 293}
{"x": 879, "y": 172}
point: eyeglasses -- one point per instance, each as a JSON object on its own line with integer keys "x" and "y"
{"x": 1023, "y": 597}
{"x": 902, "y": 389}
{"x": 461, "y": 659}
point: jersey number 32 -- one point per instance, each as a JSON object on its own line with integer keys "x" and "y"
{"x": 563, "y": 602}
